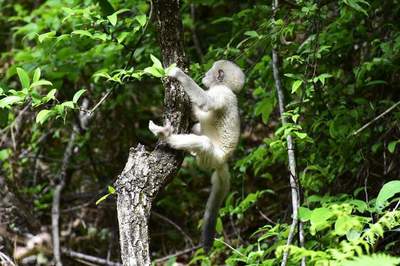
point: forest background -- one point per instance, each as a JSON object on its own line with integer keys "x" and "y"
{"x": 79, "y": 81}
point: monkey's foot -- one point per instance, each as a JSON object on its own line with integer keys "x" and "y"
{"x": 161, "y": 132}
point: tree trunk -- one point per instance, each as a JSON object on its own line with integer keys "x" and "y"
{"x": 146, "y": 172}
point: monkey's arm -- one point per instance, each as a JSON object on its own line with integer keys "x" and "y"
{"x": 196, "y": 94}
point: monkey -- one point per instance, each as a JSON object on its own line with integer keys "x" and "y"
{"x": 215, "y": 137}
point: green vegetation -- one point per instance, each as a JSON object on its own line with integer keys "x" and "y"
{"x": 62, "y": 60}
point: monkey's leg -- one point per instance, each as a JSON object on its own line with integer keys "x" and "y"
{"x": 189, "y": 142}
{"x": 193, "y": 143}
{"x": 208, "y": 154}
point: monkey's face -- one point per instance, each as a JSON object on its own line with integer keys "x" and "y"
{"x": 226, "y": 73}
{"x": 208, "y": 78}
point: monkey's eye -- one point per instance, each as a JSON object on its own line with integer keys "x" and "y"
{"x": 220, "y": 76}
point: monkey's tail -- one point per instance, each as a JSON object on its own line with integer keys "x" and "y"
{"x": 220, "y": 186}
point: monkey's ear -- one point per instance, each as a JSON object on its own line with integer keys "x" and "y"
{"x": 220, "y": 76}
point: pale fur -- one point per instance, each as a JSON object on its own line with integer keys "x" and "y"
{"x": 216, "y": 136}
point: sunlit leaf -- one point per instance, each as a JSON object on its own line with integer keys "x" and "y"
{"x": 82, "y": 33}
{"x": 156, "y": 62}
{"x": 23, "y": 77}
{"x": 69, "y": 104}
{"x": 36, "y": 75}
{"x": 43, "y": 115}
{"x": 141, "y": 19}
{"x": 387, "y": 191}
{"x": 41, "y": 83}
{"x": 154, "y": 72}
{"x": 77, "y": 95}
{"x": 296, "y": 85}
{"x": 252, "y": 33}
{"x": 6, "y": 102}
{"x": 46, "y": 35}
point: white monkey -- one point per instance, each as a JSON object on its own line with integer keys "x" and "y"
{"x": 215, "y": 137}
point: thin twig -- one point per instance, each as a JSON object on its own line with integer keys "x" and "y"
{"x": 179, "y": 253}
{"x": 397, "y": 206}
{"x": 376, "y": 118}
{"x": 89, "y": 258}
{"x": 295, "y": 189}
{"x": 230, "y": 247}
{"x": 90, "y": 112}
{"x": 265, "y": 216}
{"x": 55, "y": 208}
{"x": 162, "y": 217}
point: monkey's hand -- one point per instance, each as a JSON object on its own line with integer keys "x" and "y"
{"x": 161, "y": 132}
{"x": 176, "y": 72}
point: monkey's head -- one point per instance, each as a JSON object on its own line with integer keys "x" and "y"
{"x": 224, "y": 72}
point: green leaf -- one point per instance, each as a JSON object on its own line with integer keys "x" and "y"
{"x": 345, "y": 223}
{"x": 50, "y": 96}
{"x": 46, "y": 35}
{"x": 265, "y": 108}
{"x": 100, "y": 36}
{"x": 320, "y": 215}
{"x": 113, "y": 19}
{"x": 36, "y": 75}
{"x": 156, "y": 62}
{"x": 392, "y": 146}
{"x": 102, "y": 199}
{"x": 43, "y": 115}
{"x": 296, "y": 85}
{"x": 4, "y": 154}
{"x": 10, "y": 100}
{"x": 154, "y": 72}
{"x": 23, "y": 77}
{"x": 121, "y": 37}
{"x": 77, "y": 95}
{"x": 372, "y": 260}
{"x": 141, "y": 19}
{"x": 69, "y": 104}
{"x": 111, "y": 189}
{"x": 219, "y": 226}
{"x": 388, "y": 191}
{"x": 252, "y": 33}
{"x": 304, "y": 214}
{"x": 300, "y": 135}
{"x": 41, "y": 82}
{"x": 355, "y": 4}
{"x": 82, "y": 33}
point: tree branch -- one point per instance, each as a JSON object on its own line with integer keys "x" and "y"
{"x": 89, "y": 258}
{"x": 55, "y": 208}
{"x": 146, "y": 172}
{"x": 376, "y": 118}
{"x": 295, "y": 189}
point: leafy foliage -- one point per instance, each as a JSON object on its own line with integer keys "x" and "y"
{"x": 340, "y": 65}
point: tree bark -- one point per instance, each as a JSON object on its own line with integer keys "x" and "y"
{"x": 146, "y": 172}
